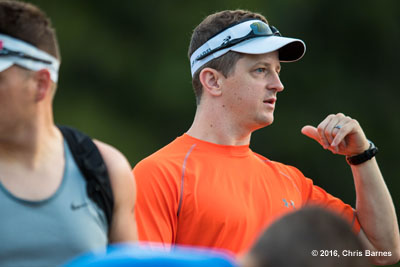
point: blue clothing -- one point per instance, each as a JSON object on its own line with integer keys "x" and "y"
{"x": 51, "y": 231}
{"x": 132, "y": 255}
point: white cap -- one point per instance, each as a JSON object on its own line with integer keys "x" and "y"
{"x": 290, "y": 49}
{"x": 9, "y": 43}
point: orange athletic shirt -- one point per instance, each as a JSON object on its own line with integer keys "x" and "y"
{"x": 193, "y": 192}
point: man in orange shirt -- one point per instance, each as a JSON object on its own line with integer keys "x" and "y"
{"x": 207, "y": 188}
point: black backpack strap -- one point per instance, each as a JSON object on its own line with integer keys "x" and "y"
{"x": 89, "y": 160}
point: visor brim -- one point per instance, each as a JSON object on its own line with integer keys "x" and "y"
{"x": 290, "y": 49}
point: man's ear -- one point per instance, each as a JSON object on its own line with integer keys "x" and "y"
{"x": 43, "y": 84}
{"x": 211, "y": 81}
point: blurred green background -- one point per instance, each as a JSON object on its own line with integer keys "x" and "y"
{"x": 125, "y": 77}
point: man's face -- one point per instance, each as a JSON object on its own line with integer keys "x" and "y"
{"x": 250, "y": 91}
{"x": 15, "y": 97}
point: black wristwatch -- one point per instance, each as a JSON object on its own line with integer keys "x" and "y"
{"x": 363, "y": 157}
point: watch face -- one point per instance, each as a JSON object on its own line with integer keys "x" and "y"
{"x": 371, "y": 145}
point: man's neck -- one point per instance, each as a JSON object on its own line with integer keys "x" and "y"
{"x": 213, "y": 127}
{"x": 27, "y": 144}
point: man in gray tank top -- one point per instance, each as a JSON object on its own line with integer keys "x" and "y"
{"x": 47, "y": 217}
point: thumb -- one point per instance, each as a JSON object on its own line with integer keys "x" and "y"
{"x": 311, "y": 132}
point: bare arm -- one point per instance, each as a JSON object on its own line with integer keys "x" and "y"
{"x": 375, "y": 209}
{"x": 123, "y": 225}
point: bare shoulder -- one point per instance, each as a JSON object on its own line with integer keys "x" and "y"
{"x": 118, "y": 166}
{"x": 113, "y": 158}
{"x": 123, "y": 226}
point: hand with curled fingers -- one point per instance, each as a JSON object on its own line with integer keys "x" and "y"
{"x": 340, "y": 134}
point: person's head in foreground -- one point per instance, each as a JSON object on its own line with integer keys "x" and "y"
{"x": 308, "y": 237}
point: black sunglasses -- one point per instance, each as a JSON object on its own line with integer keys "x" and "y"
{"x": 8, "y": 52}
{"x": 258, "y": 29}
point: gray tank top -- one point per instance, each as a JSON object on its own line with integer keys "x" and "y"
{"x": 51, "y": 231}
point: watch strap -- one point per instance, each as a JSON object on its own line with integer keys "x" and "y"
{"x": 363, "y": 157}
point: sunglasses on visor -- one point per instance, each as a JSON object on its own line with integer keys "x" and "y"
{"x": 258, "y": 29}
{"x": 8, "y": 52}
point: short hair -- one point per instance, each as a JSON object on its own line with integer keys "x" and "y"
{"x": 292, "y": 240}
{"x": 28, "y": 23}
{"x": 209, "y": 27}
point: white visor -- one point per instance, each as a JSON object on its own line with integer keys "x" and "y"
{"x": 290, "y": 49}
{"x": 16, "y": 52}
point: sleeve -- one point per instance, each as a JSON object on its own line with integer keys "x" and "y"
{"x": 314, "y": 195}
{"x": 157, "y": 202}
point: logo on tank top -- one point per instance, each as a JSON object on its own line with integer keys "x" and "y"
{"x": 79, "y": 206}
